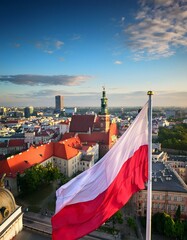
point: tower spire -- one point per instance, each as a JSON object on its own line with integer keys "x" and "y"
{"x": 104, "y": 103}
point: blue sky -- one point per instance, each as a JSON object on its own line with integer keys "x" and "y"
{"x": 73, "y": 48}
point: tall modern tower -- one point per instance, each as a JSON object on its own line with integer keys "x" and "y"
{"x": 59, "y": 103}
{"x": 28, "y": 111}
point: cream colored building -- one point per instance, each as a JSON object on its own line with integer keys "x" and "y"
{"x": 69, "y": 156}
{"x": 169, "y": 191}
{"x": 181, "y": 168}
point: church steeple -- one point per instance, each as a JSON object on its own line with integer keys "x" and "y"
{"x": 104, "y": 103}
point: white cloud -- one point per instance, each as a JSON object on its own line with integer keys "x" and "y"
{"x": 58, "y": 44}
{"x": 118, "y": 62}
{"x": 49, "y": 45}
{"x": 35, "y": 80}
{"x": 48, "y": 51}
{"x": 159, "y": 28}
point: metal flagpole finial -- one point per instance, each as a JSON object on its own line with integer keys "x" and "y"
{"x": 150, "y": 93}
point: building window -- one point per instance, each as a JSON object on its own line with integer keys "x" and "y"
{"x": 179, "y": 199}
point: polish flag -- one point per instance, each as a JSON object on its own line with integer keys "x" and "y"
{"x": 88, "y": 200}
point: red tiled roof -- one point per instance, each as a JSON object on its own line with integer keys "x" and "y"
{"x": 12, "y": 121}
{"x": 3, "y": 144}
{"x": 85, "y": 148}
{"x": 82, "y": 123}
{"x": 68, "y": 135}
{"x": 20, "y": 162}
{"x": 64, "y": 151}
{"x": 72, "y": 142}
{"x": 36, "y": 155}
{"x": 16, "y": 142}
{"x": 97, "y": 137}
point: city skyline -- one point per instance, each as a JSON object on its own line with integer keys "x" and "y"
{"x": 73, "y": 48}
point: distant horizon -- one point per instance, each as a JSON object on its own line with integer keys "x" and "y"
{"x": 159, "y": 99}
{"x": 97, "y": 107}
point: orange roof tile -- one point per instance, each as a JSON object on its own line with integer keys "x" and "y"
{"x": 64, "y": 151}
{"x": 20, "y": 162}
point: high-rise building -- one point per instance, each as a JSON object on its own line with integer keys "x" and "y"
{"x": 2, "y": 111}
{"x": 59, "y": 103}
{"x": 28, "y": 111}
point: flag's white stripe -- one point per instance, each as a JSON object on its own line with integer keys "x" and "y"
{"x": 88, "y": 185}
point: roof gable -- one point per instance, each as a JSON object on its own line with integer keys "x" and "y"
{"x": 62, "y": 150}
{"x": 82, "y": 123}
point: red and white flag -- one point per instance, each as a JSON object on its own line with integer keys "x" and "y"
{"x": 88, "y": 200}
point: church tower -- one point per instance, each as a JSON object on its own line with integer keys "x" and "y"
{"x": 104, "y": 103}
{"x": 104, "y": 117}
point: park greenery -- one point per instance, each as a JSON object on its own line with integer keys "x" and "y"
{"x": 172, "y": 228}
{"x": 132, "y": 223}
{"x": 173, "y": 138}
{"x": 36, "y": 176}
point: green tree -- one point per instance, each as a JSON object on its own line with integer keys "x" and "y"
{"x": 179, "y": 230}
{"x": 30, "y": 180}
{"x": 165, "y": 225}
{"x": 36, "y": 176}
{"x": 169, "y": 226}
{"x": 158, "y": 221}
{"x": 178, "y": 213}
{"x": 185, "y": 230}
{"x": 132, "y": 223}
{"x": 51, "y": 173}
{"x": 175, "y": 138}
{"x": 63, "y": 179}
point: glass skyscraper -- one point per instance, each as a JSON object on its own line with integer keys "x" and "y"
{"x": 59, "y": 103}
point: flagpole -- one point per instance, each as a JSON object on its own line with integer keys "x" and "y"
{"x": 149, "y": 183}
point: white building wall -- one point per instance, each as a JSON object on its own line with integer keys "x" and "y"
{"x": 63, "y": 128}
{"x": 61, "y": 164}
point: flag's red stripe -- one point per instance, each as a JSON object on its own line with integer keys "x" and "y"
{"x": 77, "y": 220}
